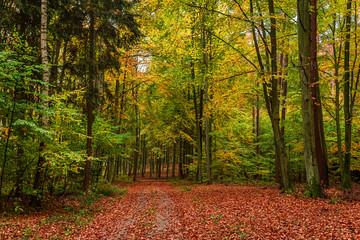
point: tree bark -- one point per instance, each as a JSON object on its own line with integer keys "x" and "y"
{"x": 320, "y": 145}
{"x": 137, "y": 134}
{"x": 181, "y": 154}
{"x": 257, "y": 140}
{"x": 198, "y": 137}
{"x": 144, "y": 156}
{"x": 345, "y": 164}
{"x": 151, "y": 163}
{"x": 311, "y": 166}
{"x": 174, "y": 161}
{"x": 275, "y": 112}
{"x": 39, "y": 172}
{"x": 284, "y": 94}
{"x": 90, "y": 99}
{"x": 167, "y": 160}
{"x": 207, "y": 102}
{"x": 272, "y": 98}
{"x": 337, "y": 108}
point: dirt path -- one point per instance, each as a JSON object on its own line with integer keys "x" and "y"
{"x": 162, "y": 210}
{"x": 146, "y": 212}
{"x": 154, "y": 215}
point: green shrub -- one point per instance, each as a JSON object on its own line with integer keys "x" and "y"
{"x": 107, "y": 189}
{"x": 185, "y": 189}
{"x": 122, "y": 179}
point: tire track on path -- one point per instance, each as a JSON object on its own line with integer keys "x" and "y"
{"x": 167, "y": 225}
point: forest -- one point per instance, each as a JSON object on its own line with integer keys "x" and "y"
{"x": 217, "y": 95}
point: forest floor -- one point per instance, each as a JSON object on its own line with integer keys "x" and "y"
{"x": 164, "y": 210}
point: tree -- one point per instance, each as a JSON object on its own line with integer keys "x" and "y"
{"x": 90, "y": 97}
{"x": 306, "y": 44}
{"x": 272, "y": 96}
{"x": 117, "y": 28}
{"x": 349, "y": 100}
{"x": 45, "y": 92}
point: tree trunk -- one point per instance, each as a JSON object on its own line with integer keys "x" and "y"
{"x": 45, "y": 92}
{"x": 90, "y": 99}
{"x": 62, "y": 75}
{"x": 311, "y": 166}
{"x": 337, "y": 114}
{"x": 151, "y": 163}
{"x": 44, "y": 61}
{"x": 158, "y": 166}
{"x": 320, "y": 145}
{"x": 257, "y": 121}
{"x": 197, "y": 123}
{"x": 284, "y": 94}
{"x": 174, "y": 161}
{"x": 275, "y": 112}
{"x": 55, "y": 67}
{"x": 144, "y": 156}
{"x": 207, "y": 102}
{"x": 137, "y": 134}
{"x": 345, "y": 165}
{"x": 167, "y": 160}
{"x": 198, "y": 136}
{"x": 272, "y": 99}
{"x": 181, "y": 153}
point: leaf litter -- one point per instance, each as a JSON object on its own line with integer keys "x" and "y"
{"x": 162, "y": 210}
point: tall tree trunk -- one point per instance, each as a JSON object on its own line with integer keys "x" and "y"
{"x": 198, "y": 124}
{"x": 167, "y": 160}
{"x": 284, "y": 94}
{"x": 345, "y": 164}
{"x": 311, "y": 166}
{"x": 90, "y": 95}
{"x": 130, "y": 167}
{"x": 64, "y": 63}
{"x": 198, "y": 136}
{"x": 144, "y": 156}
{"x": 45, "y": 92}
{"x": 54, "y": 71}
{"x": 158, "y": 164}
{"x": 257, "y": 120}
{"x": 274, "y": 101}
{"x": 181, "y": 153}
{"x": 137, "y": 133}
{"x": 137, "y": 150}
{"x": 320, "y": 145}
{"x": 337, "y": 106}
{"x": 174, "y": 160}
{"x": 151, "y": 163}
{"x": 99, "y": 82}
{"x": 207, "y": 102}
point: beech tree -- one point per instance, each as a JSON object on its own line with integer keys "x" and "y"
{"x": 351, "y": 83}
{"x": 314, "y": 143}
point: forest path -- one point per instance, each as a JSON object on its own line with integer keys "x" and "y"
{"x": 147, "y": 211}
{"x": 163, "y": 210}
{"x": 153, "y": 215}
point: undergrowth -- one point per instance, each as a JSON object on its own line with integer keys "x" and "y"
{"x": 71, "y": 211}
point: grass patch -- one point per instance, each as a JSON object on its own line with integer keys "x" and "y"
{"x": 185, "y": 189}
{"x": 106, "y": 189}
